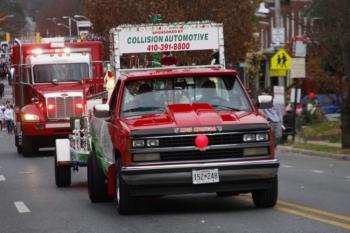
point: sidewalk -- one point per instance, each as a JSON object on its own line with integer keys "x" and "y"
{"x": 337, "y": 153}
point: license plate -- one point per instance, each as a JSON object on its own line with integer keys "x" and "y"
{"x": 205, "y": 176}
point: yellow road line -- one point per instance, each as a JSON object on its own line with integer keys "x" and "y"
{"x": 316, "y": 211}
{"x": 285, "y": 206}
{"x": 313, "y": 217}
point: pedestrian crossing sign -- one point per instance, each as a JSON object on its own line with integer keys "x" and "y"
{"x": 281, "y": 61}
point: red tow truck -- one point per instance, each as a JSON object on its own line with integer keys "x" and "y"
{"x": 48, "y": 85}
{"x": 176, "y": 130}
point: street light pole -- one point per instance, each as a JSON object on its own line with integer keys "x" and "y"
{"x": 69, "y": 24}
{"x": 6, "y": 16}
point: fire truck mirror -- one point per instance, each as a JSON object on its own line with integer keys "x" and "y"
{"x": 101, "y": 110}
{"x": 35, "y": 100}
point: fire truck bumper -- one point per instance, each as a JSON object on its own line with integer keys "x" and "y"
{"x": 244, "y": 176}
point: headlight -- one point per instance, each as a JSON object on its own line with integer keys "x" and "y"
{"x": 146, "y": 157}
{"x": 262, "y": 137}
{"x": 259, "y": 137}
{"x": 138, "y": 143}
{"x": 152, "y": 142}
{"x": 255, "y": 151}
{"x": 248, "y": 137}
{"x": 30, "y": 117}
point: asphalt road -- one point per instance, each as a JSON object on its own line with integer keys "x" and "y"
{"x": 314, "y": 197}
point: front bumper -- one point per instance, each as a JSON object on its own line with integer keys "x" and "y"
{"x": 45, "y": 129}
{"x": 237, "y": 176}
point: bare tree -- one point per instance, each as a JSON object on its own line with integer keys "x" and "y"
{"x": 237, "y": 17}
{"x": 334, "y": 39}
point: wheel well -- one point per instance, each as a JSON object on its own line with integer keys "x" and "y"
{"x": 117, "y": 154}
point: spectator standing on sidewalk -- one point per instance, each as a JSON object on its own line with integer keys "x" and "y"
{"x": 275, "y": 117}
{"x": 2, "y": 117}
{"x": 9, "y": 118}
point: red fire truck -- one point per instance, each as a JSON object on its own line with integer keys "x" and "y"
{"x": 48, "y": 84}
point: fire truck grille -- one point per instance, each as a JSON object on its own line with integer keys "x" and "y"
{"x": 199, "y": 155}
{"x": 215, "y": 139}
{"x": 63, "y": 107}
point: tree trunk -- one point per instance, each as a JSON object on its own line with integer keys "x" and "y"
{"x": 345, "y": 129}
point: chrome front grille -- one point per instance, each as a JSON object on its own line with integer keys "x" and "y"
{"x": 63, "y": 107}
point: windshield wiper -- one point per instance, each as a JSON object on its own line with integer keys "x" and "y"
{"x": 225, "y": 107}
{"x": 140, "y": 109}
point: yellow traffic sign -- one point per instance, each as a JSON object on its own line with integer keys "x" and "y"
{"x": 281, "y": 61}
{"x": 278, "y": 73}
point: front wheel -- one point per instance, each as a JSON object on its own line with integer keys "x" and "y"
{"x": 27, "y": 146}
{"x": 97, "y": 186}
{"x": 268, "y": 197}
{"x": 124, "y": 201}
{"x": 62, "y": 175}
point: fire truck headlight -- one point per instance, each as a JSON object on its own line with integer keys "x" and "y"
{"x": 248, "y": 137}
{"x": 146, "y": 157}
{"x": 138, "y": 143}
{"x": 30, "y": 117}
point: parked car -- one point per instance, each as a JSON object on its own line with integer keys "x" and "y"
{"x": 328, "y": 102}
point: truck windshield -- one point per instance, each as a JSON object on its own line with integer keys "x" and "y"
{"x": 67, "y": 72}
{"x": 151, "y": 96}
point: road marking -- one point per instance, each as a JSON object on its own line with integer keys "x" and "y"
{"x": 24, "y": 173}
{"x": 317, "y": 171}
{"x": 286, "y": 166}
{"x": 316, "y": 211}
{"x": 21, "y": 207}
{"x": 286, "y": 207}
{"x": 313, "y": 217}
{"x": 348, "y": 177}
{"x": 2, "y": 178}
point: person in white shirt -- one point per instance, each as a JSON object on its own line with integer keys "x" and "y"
{"x": 9, "y": 118}
{"x": 2, "y": 117}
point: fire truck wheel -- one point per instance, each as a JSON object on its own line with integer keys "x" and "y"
{"x": 124, "y": 201}
{"x": 62, "y": 175}
{"x": 97, "y": 186}
{"x": 266, "y": 198}
{"x": 27, "y": 146}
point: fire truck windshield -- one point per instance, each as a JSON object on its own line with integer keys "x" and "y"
{"x": 150, "y": 96}
{"x": 65, "y": 72}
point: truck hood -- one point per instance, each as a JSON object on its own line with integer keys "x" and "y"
{"x": 192, "y": 115}
{"x": 61, "y": 87}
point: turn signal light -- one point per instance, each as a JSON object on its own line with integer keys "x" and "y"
{"x": 51, "y": 106}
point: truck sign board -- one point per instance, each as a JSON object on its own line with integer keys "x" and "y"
{"x": 179, "y": 37}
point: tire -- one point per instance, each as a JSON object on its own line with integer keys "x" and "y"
{"x": 266, "y": 198}
{"x": 19, "y": 149}
{"x": 62, "y": 175}
{"x": 124, "y": 201}
{"x": 27, "y": 146}
{"x": 97, "y": 187}
{"x": 226, "y": 194}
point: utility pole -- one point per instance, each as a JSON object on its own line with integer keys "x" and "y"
{"x": 278, "y": 13}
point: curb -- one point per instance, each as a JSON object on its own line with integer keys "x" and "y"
{"x": 313, "y": 153}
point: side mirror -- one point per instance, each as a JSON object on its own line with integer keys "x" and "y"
{"x": 11, "y": 76}
{"x": 264, "y": 101}
{"x": 35, "y": 100}
{"x": 101, "y": 111}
